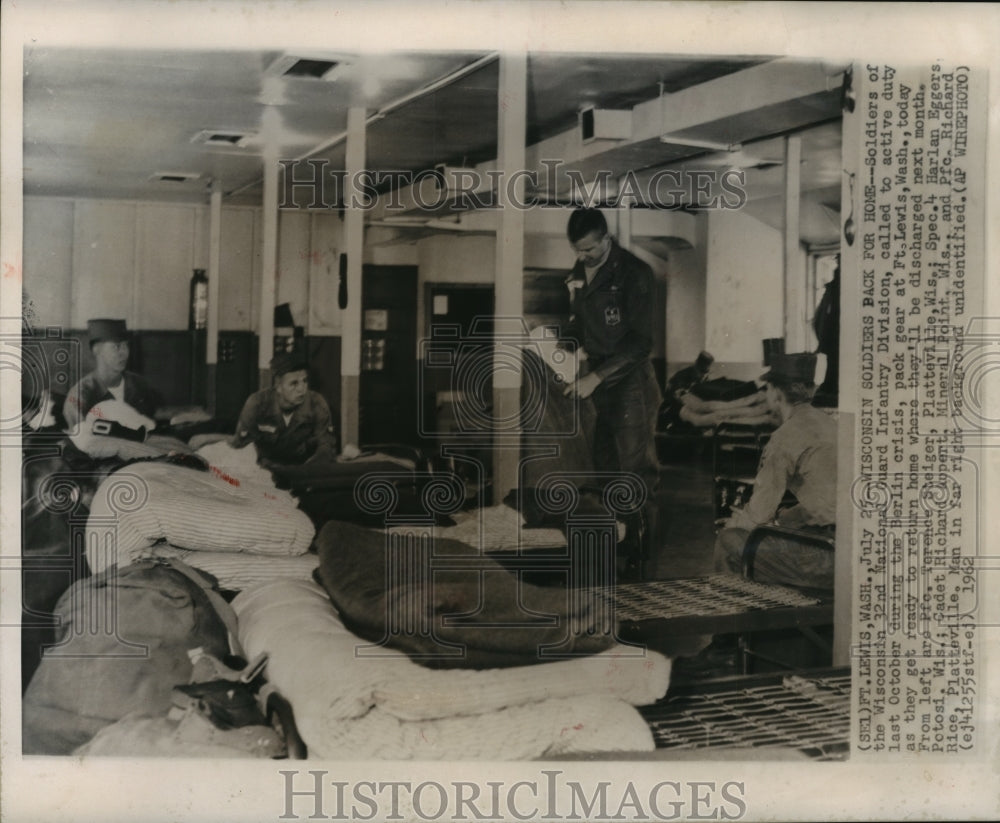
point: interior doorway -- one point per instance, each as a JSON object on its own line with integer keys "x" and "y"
{"x": 388, "y": 383}
{"x": 457, "y": 377}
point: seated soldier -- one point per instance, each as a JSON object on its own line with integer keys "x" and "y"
{"x": 109, "y": 342}
{"x": 290, "y": 424}
{"x": 801, "y": 457}
{"x": 685, "y": 379}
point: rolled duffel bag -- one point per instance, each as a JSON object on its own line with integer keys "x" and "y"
{"x": 121, "y": 646}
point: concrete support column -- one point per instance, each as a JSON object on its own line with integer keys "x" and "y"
{"x": 269, "y": 247}
{"x": 509, "y": 283}
{"x": 354, "y": 235}
{"x": 794, "y": 276}
{"x": 214, "y": 273}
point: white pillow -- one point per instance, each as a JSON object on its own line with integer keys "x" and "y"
{"x": 120, "y": 412}
{"x": 102, "y": 446}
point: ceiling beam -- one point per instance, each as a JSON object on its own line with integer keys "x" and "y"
{"x": 720, "y": 111}
{"x": 776, "y": 82}
{"x": 752, "y": 104}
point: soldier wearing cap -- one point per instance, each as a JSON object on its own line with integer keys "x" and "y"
{"x": 109, "y": 342}
{"x": 290, "y": 424}
{"x": 801, "y": 457}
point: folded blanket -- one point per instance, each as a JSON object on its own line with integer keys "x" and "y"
{"x": 493, "y": 529}
{"x": 353, "y": 700}
{"x": 342, "y": 472}
{"x": 389, "y": 588}
{"x": 209, "y": 510}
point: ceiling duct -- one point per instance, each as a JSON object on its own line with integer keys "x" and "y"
{"x": 726, "y": 155}
{"x": 224, "y": 138}
{"x": 309, "y": 66}
{"x": 430, "y": 223}
{"x": 605, "y": 124}
{"x": 175, "y": 176}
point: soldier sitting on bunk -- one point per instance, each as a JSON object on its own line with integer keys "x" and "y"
{"x": 290, "y": 424}
{"x": 801, "y": 457}
{"x": 109, "y": 342}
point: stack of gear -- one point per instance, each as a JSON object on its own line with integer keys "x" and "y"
{"x": 679, "y": 385}
{"x": 125, "y": 642}
{"x": 723, "y": 400}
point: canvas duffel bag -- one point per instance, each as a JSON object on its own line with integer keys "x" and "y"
{"x": 121, "y": 646}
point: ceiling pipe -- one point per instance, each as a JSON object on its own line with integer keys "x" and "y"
{"x": 387, "y": 109}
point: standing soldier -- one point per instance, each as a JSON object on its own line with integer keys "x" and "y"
{"x": 613, "y": 307}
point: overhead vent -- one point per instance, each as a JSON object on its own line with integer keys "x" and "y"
{"x": 605, "y": 124}
{"x": 175, "y": 176}
{"x": 227, "y": 138}
{"x": 313, "y": 66}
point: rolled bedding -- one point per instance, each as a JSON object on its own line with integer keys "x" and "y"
{"x": 355, "y": 699}
{"x": 230, "y": 506}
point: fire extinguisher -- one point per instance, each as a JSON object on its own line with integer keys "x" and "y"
{"x": 198, "y": 318}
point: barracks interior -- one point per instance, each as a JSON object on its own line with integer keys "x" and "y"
{"x": 458, "y": 406}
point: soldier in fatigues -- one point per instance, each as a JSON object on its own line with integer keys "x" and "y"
{"x": 613, "y": 308}
{"x": 290, "y": 424}
{"x": 800, "y": 457}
